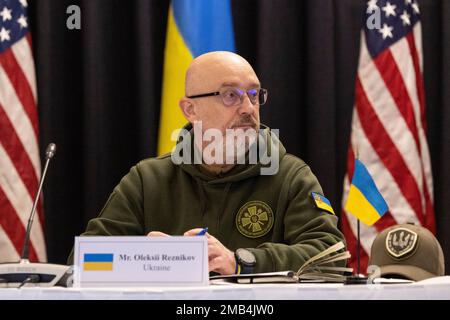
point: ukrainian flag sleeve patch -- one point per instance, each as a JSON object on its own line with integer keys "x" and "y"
{"x": 322, "y": 203}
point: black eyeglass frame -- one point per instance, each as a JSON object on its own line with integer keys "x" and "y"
{"x": 217, "y": 93}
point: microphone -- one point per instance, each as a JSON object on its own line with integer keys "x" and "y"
{"x": 38, "y": 274}
{"x": 50, "y": 151}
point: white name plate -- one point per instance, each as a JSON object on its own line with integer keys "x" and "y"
{"x": 141, "y": 261}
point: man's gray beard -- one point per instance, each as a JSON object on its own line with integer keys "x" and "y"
{"x": 240, "y": 146}
{"x": 256, "y": 147}
{"x": 232, "y": 148}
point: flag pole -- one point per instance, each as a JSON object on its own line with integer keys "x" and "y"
{"x": 358, "y": 250}
{"x": 357, "y": 278}
{"x": 358, "y": 226}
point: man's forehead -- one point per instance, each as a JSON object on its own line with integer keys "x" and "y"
{"x": 217, "y": 70}
{"x": 216, "y": 83}
{"x": 241, "y": 84}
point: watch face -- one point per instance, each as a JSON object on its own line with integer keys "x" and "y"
{"x": 246, "y": 256}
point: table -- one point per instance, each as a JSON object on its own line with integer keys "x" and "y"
{"x": 435, "y": 288}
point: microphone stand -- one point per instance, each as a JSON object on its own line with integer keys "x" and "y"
{"x": 50, "y": 152}
{"x": 24, "y": 272}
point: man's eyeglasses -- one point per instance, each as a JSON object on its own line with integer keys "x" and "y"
{"x": 232, "y": 96}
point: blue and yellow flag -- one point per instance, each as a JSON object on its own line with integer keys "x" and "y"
{"x": 98, "y": 261}
{"x": 194, "y": 27}
{"x": 322, "y": 203}
{"x": 364, "y": 201}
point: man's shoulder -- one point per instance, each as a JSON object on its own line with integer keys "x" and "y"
{"x": 156, "y": 160}
{"x": 156, "y": 164}
{"x": 292, "y": 163}
{"x": 292, "y": 167}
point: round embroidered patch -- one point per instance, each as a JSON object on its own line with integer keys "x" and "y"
{"x": 400, "y": 242}
{"x": 254, "y": 219}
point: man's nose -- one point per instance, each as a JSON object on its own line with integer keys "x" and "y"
{"x": 246, "y": 107}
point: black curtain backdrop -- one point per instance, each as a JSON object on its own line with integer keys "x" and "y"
{"x": 100, "y": 88}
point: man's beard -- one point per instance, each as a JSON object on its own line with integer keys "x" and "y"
{"x": 232, "y": 146}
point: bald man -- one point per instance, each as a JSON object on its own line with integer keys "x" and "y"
{"x": 259, "y": 221}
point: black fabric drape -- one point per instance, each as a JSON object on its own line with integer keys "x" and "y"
{"x": 100, "y": 88}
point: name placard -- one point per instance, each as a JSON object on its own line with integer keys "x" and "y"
{"x": 140, "y": 261}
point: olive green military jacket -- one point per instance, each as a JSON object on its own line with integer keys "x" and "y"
{"x": 274, "y": 216}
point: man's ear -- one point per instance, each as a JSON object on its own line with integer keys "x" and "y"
{"x": 188, "y": 109}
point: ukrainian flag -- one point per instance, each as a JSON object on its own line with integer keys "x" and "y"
{"x": 322, "y": 202}
{"x": 98, "y": 261}
{"x": 194, "y": 27}
{"x": 364, "y": 201}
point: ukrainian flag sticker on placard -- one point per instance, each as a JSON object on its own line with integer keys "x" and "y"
{"x": 98, "y": 261}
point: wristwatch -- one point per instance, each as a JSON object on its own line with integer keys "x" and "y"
{"x": 245, "y": 261}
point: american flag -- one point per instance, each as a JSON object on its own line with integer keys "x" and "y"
{"x": 19, "y": 152}
{"x": 388, "y": 125}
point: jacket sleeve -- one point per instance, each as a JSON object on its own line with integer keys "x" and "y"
{"x": 307, "y": 229}
{"x": 122, "y": 214}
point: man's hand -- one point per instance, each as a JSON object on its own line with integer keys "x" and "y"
{"x": 221, "y": 260}
{"x": 157, "y": 234}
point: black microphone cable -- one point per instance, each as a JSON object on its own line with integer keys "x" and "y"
{"x": 32, "y": 278}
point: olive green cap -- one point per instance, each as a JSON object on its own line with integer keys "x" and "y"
{"x": 407, "y": 251}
